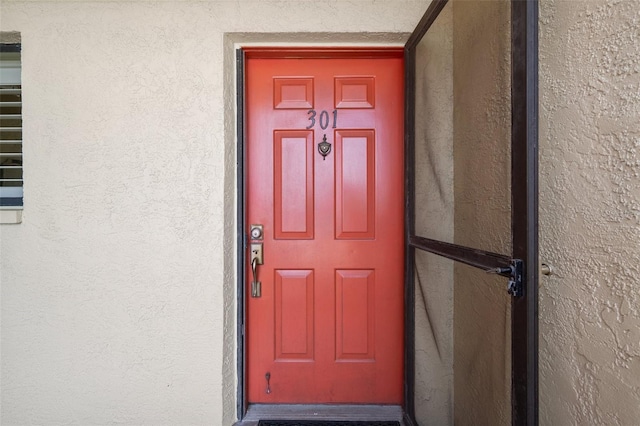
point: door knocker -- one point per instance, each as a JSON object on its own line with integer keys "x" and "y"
{"x": 324, "y": 147}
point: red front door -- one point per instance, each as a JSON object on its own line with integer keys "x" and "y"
{"x": 328, "y": 325}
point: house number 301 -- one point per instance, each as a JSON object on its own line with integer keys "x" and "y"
{"x": 323, "y": 120}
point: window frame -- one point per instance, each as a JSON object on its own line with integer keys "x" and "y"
{"x": 12, "y": 197}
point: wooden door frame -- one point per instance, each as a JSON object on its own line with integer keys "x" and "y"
{"x": 241, "y": 233}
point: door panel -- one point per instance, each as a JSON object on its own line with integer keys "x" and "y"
{"x": 355, "y": 313}
{"x": 355, "y": 184}
{"x": 294, "y": 300}
{"x": 328, "y": 326}
{"x": 293, "y": 184}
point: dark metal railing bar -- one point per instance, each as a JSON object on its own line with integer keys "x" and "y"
{"x": 485, "y": 260}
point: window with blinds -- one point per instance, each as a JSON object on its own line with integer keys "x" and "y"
{"x": 10, "y": 126}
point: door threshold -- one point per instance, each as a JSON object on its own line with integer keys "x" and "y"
{"x": 336, "y": 412}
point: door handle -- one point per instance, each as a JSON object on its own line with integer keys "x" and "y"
{"x": 256, "y": 290}
{"x": 256, "y": 259}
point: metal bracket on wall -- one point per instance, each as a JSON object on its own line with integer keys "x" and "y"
{"x": 516, "y": 285}
{"x": 514, "y": 272}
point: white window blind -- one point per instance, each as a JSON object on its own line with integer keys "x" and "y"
{"x": 10, "y": 126}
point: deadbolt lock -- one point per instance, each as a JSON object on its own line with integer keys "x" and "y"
{"x": 256, "y": 232}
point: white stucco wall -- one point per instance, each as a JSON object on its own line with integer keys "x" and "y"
{"x": 118, "y": 287}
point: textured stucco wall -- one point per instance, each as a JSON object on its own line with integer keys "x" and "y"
{"x": 118, "y": 291}
{"x": 482, "y": 163}
{"x": 434, "y": 219}
{"x": 590, "y": 212}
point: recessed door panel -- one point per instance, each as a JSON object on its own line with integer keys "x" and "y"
{"x": 355, "y": 302}
{"x": 294, "y": 315}
{"x": 355, "y": 92}
{"x": 355, "y": 184}
{"x": 292, "y": 93}
{"x": 293, "y": 183}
